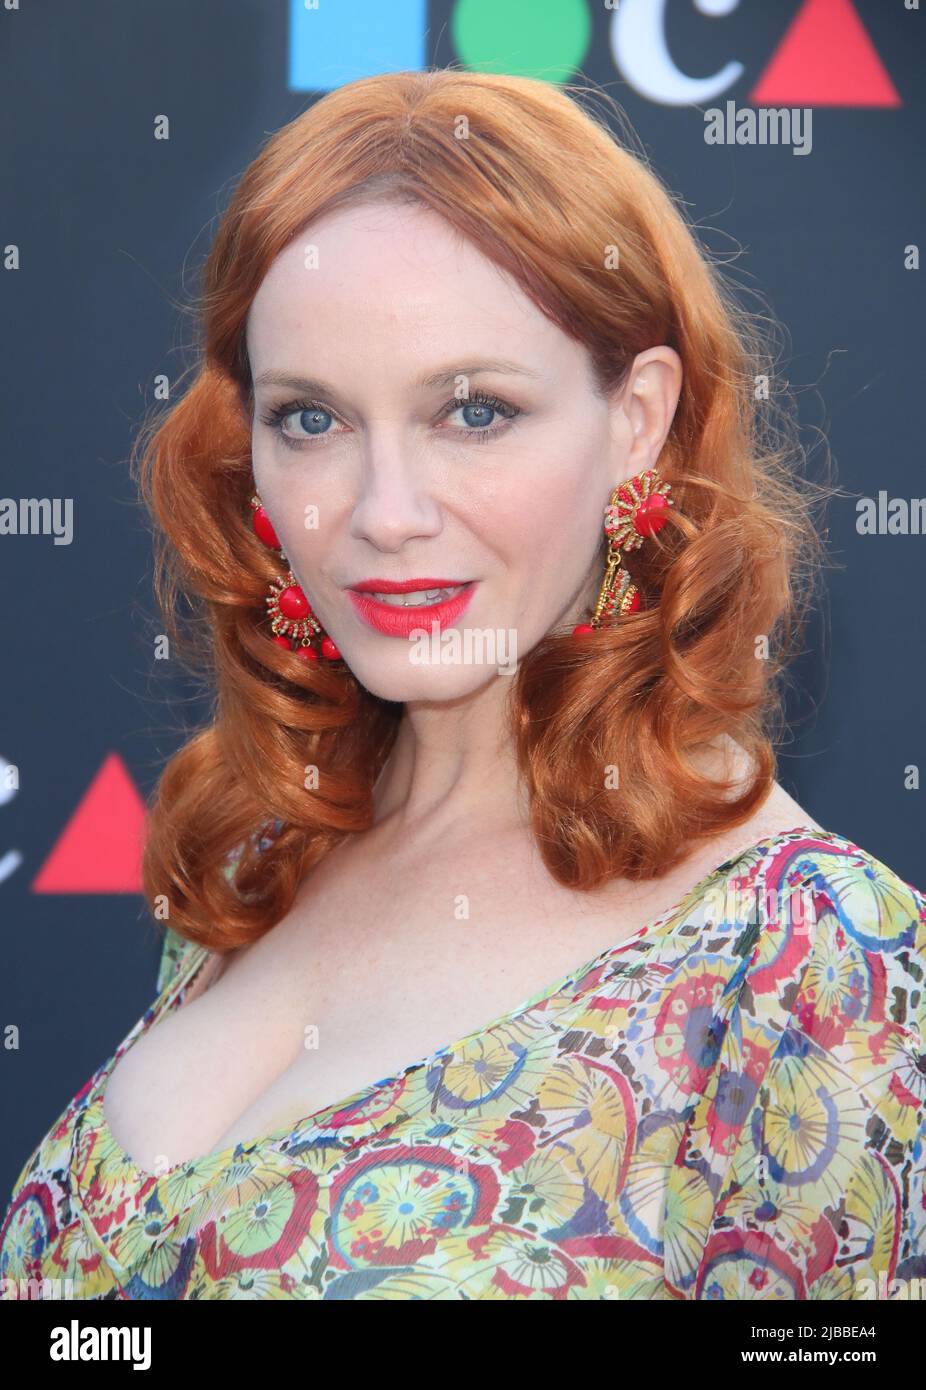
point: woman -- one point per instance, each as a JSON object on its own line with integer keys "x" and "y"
{"x": 492, "y": 724}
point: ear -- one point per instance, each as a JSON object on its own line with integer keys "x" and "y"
{"x": 649, "y": 399}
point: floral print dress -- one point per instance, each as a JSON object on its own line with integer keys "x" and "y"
{"x": 727, "y": 1105}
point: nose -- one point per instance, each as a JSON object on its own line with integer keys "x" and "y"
{"x": 395, "y": 503}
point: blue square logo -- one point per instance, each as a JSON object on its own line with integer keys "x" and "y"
{"x": 332, "y": 42}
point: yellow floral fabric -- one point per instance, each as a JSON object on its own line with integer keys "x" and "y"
{"x": 727, "y": 1105}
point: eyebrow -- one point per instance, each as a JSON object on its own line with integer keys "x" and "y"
{"x": 444, "y": 377}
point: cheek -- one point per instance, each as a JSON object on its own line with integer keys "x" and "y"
{"x": 268, "y": 481}
{"x": 298, "y": 507}
{"x": 557, "y": 530}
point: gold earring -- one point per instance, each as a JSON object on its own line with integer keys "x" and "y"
{"x": 637, "y": 508}
{"x": 291, "y": 616}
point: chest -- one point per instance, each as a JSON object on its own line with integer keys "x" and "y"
{"x": 377, "y": 965}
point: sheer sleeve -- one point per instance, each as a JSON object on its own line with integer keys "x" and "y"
{"x": 801, "y": 1170}
{"x": 174, "y": 955}
{"x": 175, "y": 948}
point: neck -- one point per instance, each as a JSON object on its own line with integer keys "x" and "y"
{"x": 452, "y": 761}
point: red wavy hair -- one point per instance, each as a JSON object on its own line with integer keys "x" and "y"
{"x": 538, "y": 180}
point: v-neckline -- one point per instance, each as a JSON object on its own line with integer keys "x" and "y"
{"x": 219, "y": 1160}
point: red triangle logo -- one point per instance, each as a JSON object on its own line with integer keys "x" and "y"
{"x": 825, "y": 59}
{"x": 99, "y": 850}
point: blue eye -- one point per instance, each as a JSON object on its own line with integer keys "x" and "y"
{"x": 315, "y": 419}
{"x": 478, "y": 413}
{"x": 476, "y": 409}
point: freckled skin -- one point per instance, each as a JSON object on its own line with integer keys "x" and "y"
{"x": 404, "y": 490}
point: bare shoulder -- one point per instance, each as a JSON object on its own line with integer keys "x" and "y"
{"x": 779, "y": 812}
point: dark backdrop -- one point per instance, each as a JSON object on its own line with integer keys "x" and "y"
{"x": 102, "y": 232}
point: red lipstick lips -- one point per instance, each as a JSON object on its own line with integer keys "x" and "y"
{"x": 403, "y": 586}
{"x": 397, "y": 621}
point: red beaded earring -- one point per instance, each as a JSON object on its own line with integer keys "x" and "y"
{"x": 289, "y": 609}
{"x": 637, "y": 508}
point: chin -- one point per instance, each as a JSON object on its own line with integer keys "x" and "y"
{"x": 397, "y": 680}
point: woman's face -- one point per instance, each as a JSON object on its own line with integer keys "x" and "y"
{"x": 418, "y": 418}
